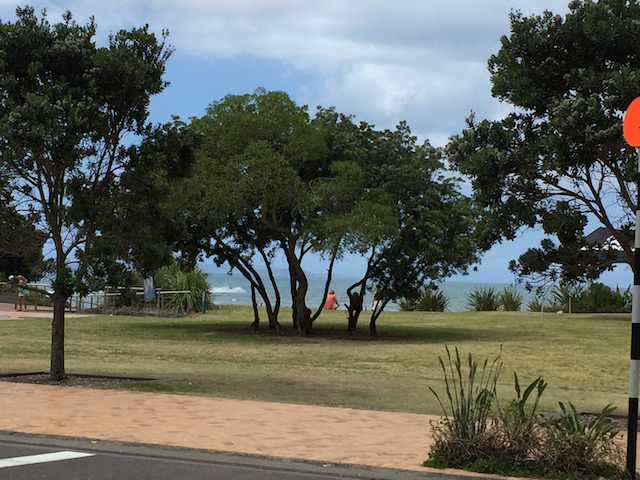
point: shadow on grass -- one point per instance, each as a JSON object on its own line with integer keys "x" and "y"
{"x": 427, "y": 334}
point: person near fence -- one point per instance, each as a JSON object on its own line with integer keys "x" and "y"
{"x": 22, "y": 291}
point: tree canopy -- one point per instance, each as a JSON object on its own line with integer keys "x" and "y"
{"x": 270, "y": 180}
{"x": 66, "y": 107}
{"x": 20, "y": 243}
{"x": 410, "y": 219}
{"x": 251, "y": 192}
{"x": 559, "y": 161}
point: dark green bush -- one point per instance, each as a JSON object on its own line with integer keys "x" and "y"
{"x": 484, "y": 299}
{"x": 172, "y": 278}
{"x": 428, "y": 301}
{"x": 535, "y": 305}
{"x": 576, "y": 445}
{"x": 510, "y": 300}
{"x": 593, "y": 298}
{"x": 599, "y": 298}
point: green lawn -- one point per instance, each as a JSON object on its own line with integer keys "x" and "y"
{"x": 584, "y": 358}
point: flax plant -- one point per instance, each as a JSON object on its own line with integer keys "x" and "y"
{"x": 470, "y": 394}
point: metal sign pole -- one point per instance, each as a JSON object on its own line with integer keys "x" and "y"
{"x": 631, "y": 133}
{"x": 634, "y": 364}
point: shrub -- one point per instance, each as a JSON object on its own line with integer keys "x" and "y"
{"x": 578, "y": 446}
{"x": 484, "y": 299}
{"x": 517, "y": 424}
{"x": 594, "y": 298}
{"x": 536, "y": 305}
{"x": 565, "y": 297}
{"x": 407, "y": 305}
{"x": 599, "y": 298}
{"x": 172, "y": 278}
{"x": 428, "y": 301}
{"x": 469, "y": 398}
{"x": 432, "y": 301}
{"x": 512, "y": 440}
{"x": 510, "y": 300}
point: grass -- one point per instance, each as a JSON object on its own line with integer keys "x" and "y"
{"x": 584, "y": 358}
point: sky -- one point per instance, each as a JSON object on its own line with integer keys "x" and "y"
{"x": 423, "y": 61}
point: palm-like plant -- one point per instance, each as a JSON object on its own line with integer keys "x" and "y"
{"x": 484, "y": 299}
{"x": 193, "y": 282}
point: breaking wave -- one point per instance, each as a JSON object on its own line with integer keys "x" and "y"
{"x": 227, "y": 289}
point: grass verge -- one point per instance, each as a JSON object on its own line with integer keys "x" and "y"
{"x": 584, "y": 358}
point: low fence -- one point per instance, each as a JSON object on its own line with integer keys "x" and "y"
{"x": 106, "y": 302}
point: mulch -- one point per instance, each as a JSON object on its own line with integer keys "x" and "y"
{"x": 73, "y": 380}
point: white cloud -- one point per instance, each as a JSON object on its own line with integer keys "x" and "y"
{"x": 424, "y": 61}
{"x": 415, "y": 60}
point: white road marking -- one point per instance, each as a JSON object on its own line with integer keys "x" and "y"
{"x": 43, "y": 458}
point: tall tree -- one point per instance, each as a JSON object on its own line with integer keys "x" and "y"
{"x": 559, "y": 160}
{"x": 410, "y": 219}
{"x": 251, "y": 191}
{"x": 66, "y": 106}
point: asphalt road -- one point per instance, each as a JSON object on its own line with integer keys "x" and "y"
{"x": 63, "y": 459}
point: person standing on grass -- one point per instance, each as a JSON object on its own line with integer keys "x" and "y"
{"x": 331, "y": 302}
{"x": 376, "y": 305}
{"x": 22, "y": 291}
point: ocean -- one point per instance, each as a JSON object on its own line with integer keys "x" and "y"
{"x": 236, "y": 290}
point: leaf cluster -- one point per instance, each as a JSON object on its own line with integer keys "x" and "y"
{"x": 559, "y": 159}
{"x": 66, "y": 107}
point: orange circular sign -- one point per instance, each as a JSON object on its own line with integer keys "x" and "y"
{"x": 631, "y": 124}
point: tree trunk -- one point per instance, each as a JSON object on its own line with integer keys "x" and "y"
{"x": 372, "y": 325}
{"x": 327, "y": 285}
{"x": 355, "y": 304}
{"x": 299, "y": 287}
{"x": 293, "y": 282}
{"x": 273, "y": 321}
{"x": 251, "y": 274}
{"x": 303, "y": 313}
{"x": 256, "y": 314}
{"x": 375, "y": 313}
{"x": 57, "y": 371}
{"x": 354, "y": 308}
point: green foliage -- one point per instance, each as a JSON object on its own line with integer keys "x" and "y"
{"x": 66, "y": 106}
{"x": 145, "y": 224}
{"x": 569, "y": 80}
{"x": 512, "y": 440}
{"x": 20, "y": 243}
{"x": 535, "y": 305}
{"x": 510, "y": 300}
{"x": 599, "y": 298}
{"x": 273, "y": 181}
{"x": 484, "y": 299}
{"x": 289, "y": 183}
{"x": 592, "y": 298}
{"x": 576, "y": 445}
{"x": 517, "y": 422}
{"x": 428, "y": 301}
{"x": 406, "y": 305}
{"x": 172, "y": 278}
{"x": 565, "y": 295}
{"x": 470, "y": 395}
